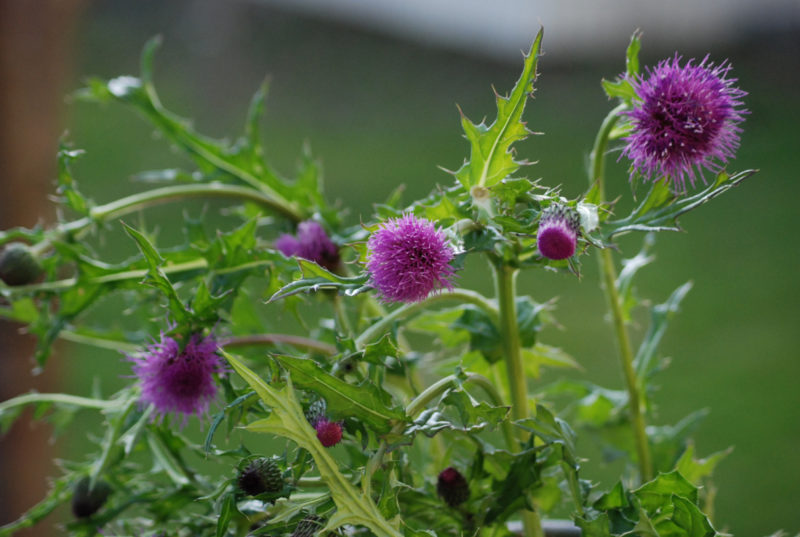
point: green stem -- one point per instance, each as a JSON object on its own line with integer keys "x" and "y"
{"x": 609, "y": 280}
{"x": 158, "y": 196}
{"x": 597, "y": 157}
{"x": 635, "y": 399}
{"x": 464, "y": 295}
{"x": 277, "y": 339}
{"x": 61, "y": 398}
{"x": 505, "y": 282}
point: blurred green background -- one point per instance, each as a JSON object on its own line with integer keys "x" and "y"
{"x": 380, "y": 112}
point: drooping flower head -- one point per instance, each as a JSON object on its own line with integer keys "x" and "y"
{"x": 452, "y": 487}
{"x": 408, "y": 259}
{"x": 329, "y": 433}
{"x": 179, "y": 380}
{"x": 557, "y": 237}
{"x": 686, "y": 119}
{"x": 312, "y": 243}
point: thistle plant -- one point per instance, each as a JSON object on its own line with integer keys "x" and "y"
{"x": 351, "y": 421}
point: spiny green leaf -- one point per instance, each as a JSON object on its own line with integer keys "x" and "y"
{"x": 156, "y": 276}
{"x": 365, "y": 402}
{"x": 695, "y": 470}
{"x": 287, "y": 419}
{"x": 686, "y": 520}
{"x": 658, "y": 493}
{"x": 662, "y": 207}
{"x": 659, "y": 318}
{"x": 491, "y": 159}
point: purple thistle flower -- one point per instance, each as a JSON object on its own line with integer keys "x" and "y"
{"x": 179, "y": 381}
{"x": 329, "y": 433}
{"x": 312, "y": 243}
{"x": 408, "y": 259}
{"x": 557, "y": 237}
{"x": 686, "y": 118}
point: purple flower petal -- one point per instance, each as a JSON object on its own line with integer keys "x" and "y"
{"x": 686, "y": 119}
{"x": 408, "y": 259}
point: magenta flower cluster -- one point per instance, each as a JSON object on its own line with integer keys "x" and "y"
{"x": 179, "y": 380}
{"x": 312, "y": 243}
{"x": 408, "y": 259}
{"x": 685, "y": 119}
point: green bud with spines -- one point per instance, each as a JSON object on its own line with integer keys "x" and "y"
{"x": 260, "y": 476}
{"x": 308, "y": 526}
{"x": 18, "y": 265}
{"x": 87, "y": 500}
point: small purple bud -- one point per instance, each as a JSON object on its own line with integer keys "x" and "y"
{"x": 329, "y": 433}
{"x": 452, "y": 487}
{"x": 557, "y": 237}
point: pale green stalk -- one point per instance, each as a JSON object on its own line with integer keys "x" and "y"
{"x": 609, "y": 281}
{"x": 505, "y": 282}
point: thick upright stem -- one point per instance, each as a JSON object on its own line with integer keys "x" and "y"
{"x": 505, "y": 281}
{"x": 609, "y": 279}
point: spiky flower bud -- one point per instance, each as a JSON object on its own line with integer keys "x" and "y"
{"x": 557, "y": 237}
{"x": 308, "y": 526}
{"x": 18, "y": 265}
{"x": 87, "y": 501}
{"x": 329, "y": 433}
{"x": 452, "y": 487}
{"x": 316, "y": 410}
{"x": 260, "y": 476}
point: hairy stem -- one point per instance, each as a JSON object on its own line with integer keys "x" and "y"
{"x": 609, "y": 282}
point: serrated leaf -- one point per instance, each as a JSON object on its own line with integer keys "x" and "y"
{"x": 217, "y": 161}
{"x": 616, "y": 498}
{"x": 659, "y": 319}
{"x": 695, "y": 470}
{"x": 662, "y": 207}
{"x": 288, "y": 420}
{"x": 544, "y": 355}
{"x": 510, "y": 493}
{"x": 366, "y": 402}
{"x": 659, "y": 492}
{"x": 686, "y": 520}
{"x": 349, "y": 286}
{"x": 491, "y": 159}
{"x": 156, "y": 277}
{"x": 629, "y": 269}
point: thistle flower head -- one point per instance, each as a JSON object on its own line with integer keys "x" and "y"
{"x": 557, "y": 237}
{"x": 261, "y": 475}
{"x": 686, "y": 119}
{"x": 179, "y": 380}
{"x": 452, "y": 487}
{"x": 329, "y": 433}
{"x": 408, "y": 259}
{"x": 312, "y": 243}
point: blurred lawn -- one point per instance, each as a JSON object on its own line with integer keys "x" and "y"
{"x": 380, "y": 113}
